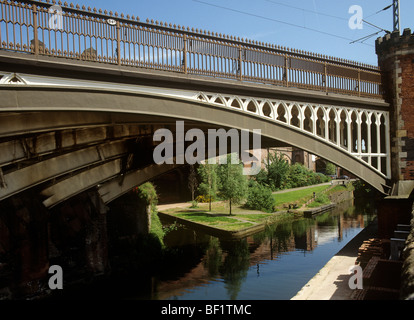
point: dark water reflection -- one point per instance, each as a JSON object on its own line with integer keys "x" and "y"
{"x": 274, "y": 264}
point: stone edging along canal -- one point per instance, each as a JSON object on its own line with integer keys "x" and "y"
{"x": 214, "y": 231}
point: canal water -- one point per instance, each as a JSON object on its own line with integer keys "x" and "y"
{"x": 271, "y": 265}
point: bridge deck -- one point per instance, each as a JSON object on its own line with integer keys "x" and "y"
{"x": 112, "y": 39}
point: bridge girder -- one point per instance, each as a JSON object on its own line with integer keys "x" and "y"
{"x": 52, "y": 168}
{"x": 96, "y": 107}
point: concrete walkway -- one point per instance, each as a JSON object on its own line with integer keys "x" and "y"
{"x": 331, "y": 282}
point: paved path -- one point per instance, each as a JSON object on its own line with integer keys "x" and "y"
{"x": 173, "y": 205}
{"x": 333, "y": 182}
{"x": 301, "y": 188}
{"x": 331, "y": 282}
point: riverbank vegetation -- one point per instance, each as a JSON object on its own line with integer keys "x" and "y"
{"x": 227, "y": 182}
{"x": 228, "y": 200}
{"x": 297, "y": 197}
{"x": 216, "y": 215}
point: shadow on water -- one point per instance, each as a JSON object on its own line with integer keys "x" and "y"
{"x": 272, "y": 264}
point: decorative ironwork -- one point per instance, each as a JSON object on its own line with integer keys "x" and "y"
{"x": 359, "y": 132}
{"x": 106, "y": 37}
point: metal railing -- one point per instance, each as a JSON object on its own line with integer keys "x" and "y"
{"x": 35, "y": 27}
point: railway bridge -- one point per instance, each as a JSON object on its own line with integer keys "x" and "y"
{"x": 83, "y": 91}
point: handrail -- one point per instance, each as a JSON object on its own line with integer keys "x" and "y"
{"x": 106, "y": 37}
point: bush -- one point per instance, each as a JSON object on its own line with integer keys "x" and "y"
{"x": 194, "y": 204}
{"x": 204, "y": 199}
{"x": 330, "y": 169}
{"x": 277, "y": 170}
{"x": 262, "y": 178}
{"x": 260, "y": 197}
{"x": 298, "y": 176}
{"x": 322, "y": 198}
{"x": 148, "y": 194}
{"x": 156, "y": 228}
{"x": 321, "y": 178}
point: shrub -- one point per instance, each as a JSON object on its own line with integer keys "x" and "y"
{"x": 148, "y": 194}
{"x": 260, "y": 197}
{"x": 194, "y": 204}
{"x": 277, "y": 170}
{"x": 322, "y": 198}
{"x": 204, "y": 199}
{"x": 298, "y": 176}
{"x": 330, "y": 169}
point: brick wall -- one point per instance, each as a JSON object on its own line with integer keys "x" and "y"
{"x": 407, "y": 275}
{"x": 396, "y": 59}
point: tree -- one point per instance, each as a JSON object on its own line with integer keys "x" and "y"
{"x": 277, "y": 170}
{"x": 234, "y": 184}
{"x": 330, "y": 169}
{"x": 208, "y": 180}
{"x": 192, "y": 181}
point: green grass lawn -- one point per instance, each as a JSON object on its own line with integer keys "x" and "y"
{"x": 297, "y": 196}
{"x": 216, "y": 220}
{"x": 219, "y": 217}
{"x": 241, "y": 217}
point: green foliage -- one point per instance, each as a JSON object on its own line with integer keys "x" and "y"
{"x": 279, "y": 174}
{"x": 322, "y": 198}
{"x": 260, "y": 197}
{"x": 156, "y": 228}
{"x": 148, "y": 194}
{"x": 209, "y": 182}
{"x": 194, "y": 204}
{"x": 300, "y": 176}
{"x": 362, "y": 188}
{"x": 262, "y": 178}
{"x": 330, "y": 168}
{"x": 277, "y": 169}
{"x": 321, "y": 178}
{"x": 300, "y": 196}
{"x": 233, "y": 184}
{"x": 203, "y": 199}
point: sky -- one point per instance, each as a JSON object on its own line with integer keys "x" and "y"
{"x": 318, "y": 26}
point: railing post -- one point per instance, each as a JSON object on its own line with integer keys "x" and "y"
{"x": 359, "y": 82}
{"x": 240, "y": 63}
{"x": 118, "y": 40}
{"x": 185, "y": 53}
{"x": 286, "y": 71}
{"x": 325, "y": 71}
{"x": 36, "y": 37}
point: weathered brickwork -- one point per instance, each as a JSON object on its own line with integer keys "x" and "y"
{"x": 396, "y": 59}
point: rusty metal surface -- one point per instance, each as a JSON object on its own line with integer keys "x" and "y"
{"x": 99, "y": 36}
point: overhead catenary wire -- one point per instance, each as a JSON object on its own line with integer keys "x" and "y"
{"x": 361, "y": 40}
{"x": 276, "y": 20}
{"x": 307, "y": 10}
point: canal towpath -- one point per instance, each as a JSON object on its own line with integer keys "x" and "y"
{"x": 331, "y": 282}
